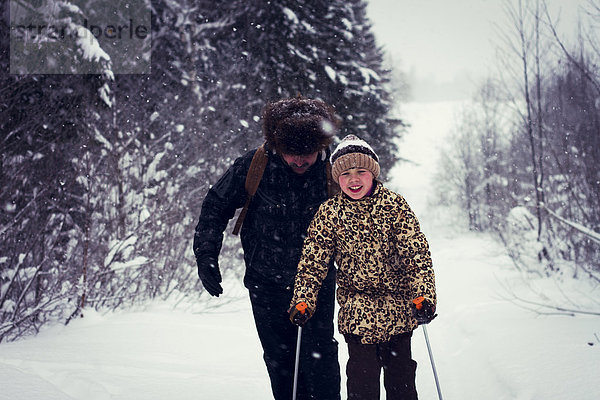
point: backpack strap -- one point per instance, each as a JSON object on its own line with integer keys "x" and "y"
{"x": 253, "y": 178}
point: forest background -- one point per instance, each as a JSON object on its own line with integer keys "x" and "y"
{"x": 108, "y": 146}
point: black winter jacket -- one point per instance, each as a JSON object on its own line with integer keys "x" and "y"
{"x": 276, "y": 222}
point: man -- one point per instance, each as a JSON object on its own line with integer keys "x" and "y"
{"x": 298, "y": 132}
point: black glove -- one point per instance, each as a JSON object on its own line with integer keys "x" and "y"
{"x": 299, "y": 314}
{"x": 208, "y": 271}
{"x": 423, "y": 310}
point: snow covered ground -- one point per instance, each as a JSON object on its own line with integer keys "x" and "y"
{"x": 485, "y": 346}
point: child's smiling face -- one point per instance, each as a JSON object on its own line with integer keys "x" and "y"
{"x": 356, "y": 182}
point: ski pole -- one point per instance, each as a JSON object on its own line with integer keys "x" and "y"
{"x": 437, "y": 382}
{"x": 301, "y": 307}
{"x": 419, "y": 304}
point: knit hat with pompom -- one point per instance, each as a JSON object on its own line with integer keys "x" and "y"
{"x": 353, "y": 152}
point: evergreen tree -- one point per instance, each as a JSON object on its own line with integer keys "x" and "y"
{"x": 314, "y": 48}
{"x": 42, "y": 118}
{"x": 352, "y": 73}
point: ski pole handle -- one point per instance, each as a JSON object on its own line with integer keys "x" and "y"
{"x": 299, "y": 314}
{"x": 423, "y": 310}
{"x": 418, "y": 302}
{"x": 301, "y": 307}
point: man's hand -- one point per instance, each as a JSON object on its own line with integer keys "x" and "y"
{"x": 299, "y": 314}
{"x": 423, "y": 310}
{"x": 208, "y": 271}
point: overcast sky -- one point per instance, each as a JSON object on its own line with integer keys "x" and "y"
{"x": 447, "y": 46}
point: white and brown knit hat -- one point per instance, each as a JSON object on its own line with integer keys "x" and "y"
{"x": 353, "y": 152}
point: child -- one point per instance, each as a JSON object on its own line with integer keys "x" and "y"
{"x": 383, "y": 264}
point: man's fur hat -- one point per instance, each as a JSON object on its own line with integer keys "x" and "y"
{"x": 299, "y": 126}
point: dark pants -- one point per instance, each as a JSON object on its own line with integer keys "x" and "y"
{"x": 366, "y": 361}
{"x": 319, "y": 369}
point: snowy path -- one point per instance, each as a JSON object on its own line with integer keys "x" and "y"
{"x": 485, "y": 347}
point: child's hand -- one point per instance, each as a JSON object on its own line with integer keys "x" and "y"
{"x": 423, "y": 310}
{"x": 299, "y": 314}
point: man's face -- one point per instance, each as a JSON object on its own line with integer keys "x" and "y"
{"x": 300, "y": 164}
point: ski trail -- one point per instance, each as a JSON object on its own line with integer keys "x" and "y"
{"x": 484, "y": 345}
{"x": 464, "y": 265}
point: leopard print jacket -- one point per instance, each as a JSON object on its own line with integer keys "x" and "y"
{"x": 383, "y": 263}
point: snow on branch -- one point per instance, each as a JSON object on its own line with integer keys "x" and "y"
{"x": 593, "y": 235}
{"x": 117, "y": 247}
{"x": 330, "y": 73}
{"x": 367, "y": 74}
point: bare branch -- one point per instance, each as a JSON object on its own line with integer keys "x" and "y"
{"x": 569, "y": 56}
